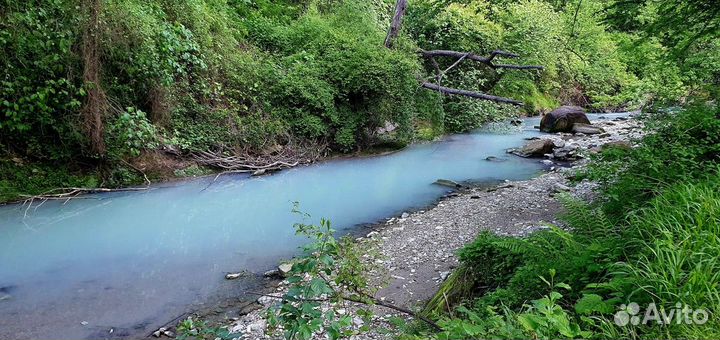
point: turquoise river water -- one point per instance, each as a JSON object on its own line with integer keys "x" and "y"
{"x": 132, "y": 261}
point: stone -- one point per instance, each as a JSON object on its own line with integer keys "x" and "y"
{"x": 494, "y": 159}
{"x": 266, "y": 300}
{"x": 562, "y": 119}
{"x": 444, "y": 275}
{"x": 620, "y": 144}
{"x": 448, "y": 183}
{"x": 259, "y": 172}
{"x": 580, "y": 128}
{"x": 404, "y": 215}
{"x": 285, "y": 268}
{"x": 559, "y": 187}
{"x": 233, "y": 276}
{"x": 536, "y": 148}
{"x": 272, "y": 273}
{"x": 516, "y": 122}
{"x": 358, "y": 322}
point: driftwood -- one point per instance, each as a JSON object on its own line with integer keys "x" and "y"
{"x": 246, "y": 162}
{"x": 67, "y": 194}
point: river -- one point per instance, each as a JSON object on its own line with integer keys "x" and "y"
{"x": 131, "y": 261}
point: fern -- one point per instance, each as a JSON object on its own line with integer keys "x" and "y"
{"x": 584, "y": 219}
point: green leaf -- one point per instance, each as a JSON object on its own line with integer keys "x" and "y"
{"x": 592, "y": 303}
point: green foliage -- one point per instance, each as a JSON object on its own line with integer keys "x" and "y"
{"x": 681, "y": 146}
{"x": 544, "y": 318}
{"x": 130, "y": 133}
{"x": 335, "y": 80}
{"x": 192, "y": 329}
{"x": 329, "y": 270}
{"x": 246, "y": 75}
{"x": 679, "y": 258}
{"x": 36, "y": 93}
{"x": 17, "y": 178}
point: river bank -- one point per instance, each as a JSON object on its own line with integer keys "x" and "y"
{"x": 419, "y": 247}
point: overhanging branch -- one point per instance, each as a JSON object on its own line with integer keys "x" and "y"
{"x": 478, "y": 95}
{"x": 485, "y": 60}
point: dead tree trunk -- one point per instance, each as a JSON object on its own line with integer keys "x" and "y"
{"x": 394, "y": 31}
{"x": 96, "y": 101}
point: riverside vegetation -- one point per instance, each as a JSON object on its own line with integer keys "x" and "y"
{"x": 100, "y": 93}
{"x": 170, "y": 79}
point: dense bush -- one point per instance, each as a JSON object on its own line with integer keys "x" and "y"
{"x": 681, "y": 146}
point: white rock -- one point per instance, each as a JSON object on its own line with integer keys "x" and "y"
{"x": 266, "y": 300}
{"x": 358, "y": 322}
{"x": 285, "y": 268}
{"x": 233, "y": 276}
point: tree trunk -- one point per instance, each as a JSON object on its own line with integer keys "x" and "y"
{"x": 400, "y": 7}
{"x": 96, "y": 101}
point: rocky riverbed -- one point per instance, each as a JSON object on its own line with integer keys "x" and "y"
{"x": 419, "y": 248}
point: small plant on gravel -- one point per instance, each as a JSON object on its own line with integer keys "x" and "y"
{"x": 195, "y": 329}
{"x": 328, "y": 286}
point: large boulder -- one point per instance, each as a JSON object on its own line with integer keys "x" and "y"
{"x": 563, "y": 118}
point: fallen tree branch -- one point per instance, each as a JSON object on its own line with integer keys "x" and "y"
{"x": 478, "y": 95}
{"x": 485, "y": 60}
{"x": 66, "y": 194}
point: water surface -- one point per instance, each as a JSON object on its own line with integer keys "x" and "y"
{"x": 132, "y": 261}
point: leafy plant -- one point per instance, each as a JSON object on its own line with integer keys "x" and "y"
{"x": 193, "y": 329}
{"x": 131, "y": 133}
{"x": 329, "y": 271}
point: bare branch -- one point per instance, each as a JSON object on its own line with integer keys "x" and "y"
{"x": 478, "y": 95}
{"x": 485, "y": 60}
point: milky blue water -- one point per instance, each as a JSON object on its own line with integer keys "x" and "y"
{"x": 132, "y": 261}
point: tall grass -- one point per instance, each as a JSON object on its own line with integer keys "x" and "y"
{"x": 679, "y": 260}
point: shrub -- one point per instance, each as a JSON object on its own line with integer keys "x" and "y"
{"x": 682, "y": 146}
